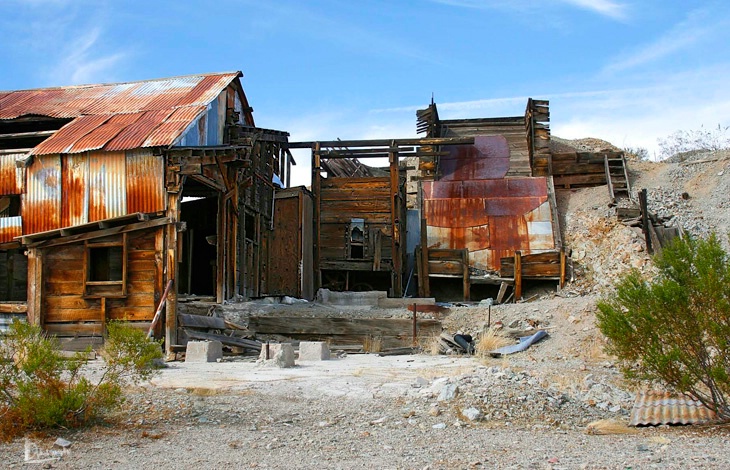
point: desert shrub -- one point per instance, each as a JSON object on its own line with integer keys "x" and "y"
{"x": 674, "y": 330}
{"x": 683, "y": 143}
{"x": 40, "y": 388}
{"x": 640, "y": 153}
{"x": 490, "y": 340}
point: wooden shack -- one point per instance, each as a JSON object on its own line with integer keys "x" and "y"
{"x": 116, "y": 191}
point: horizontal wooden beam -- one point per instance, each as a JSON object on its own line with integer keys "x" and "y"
{"x": 385, "y": 142}
{"x": 26, "y": 135}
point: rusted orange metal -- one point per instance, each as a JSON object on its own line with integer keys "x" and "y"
{"x": 118, "y": 116}
{"x": 11, "y": 177}
{"x": 488, "y": 158}
{"x": 42, "y": 202}
{"x": 653, "y": 408}
{"x": 492, "y": 218}
{"x": 107, "y": 185}
{"x": 10, "y": 227}
{"x": 145, "y": 182}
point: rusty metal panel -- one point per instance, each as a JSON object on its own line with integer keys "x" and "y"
{"x": 10, "y": 227}
{"x": 74, "y": 177}
{"x": 11, "y": 177}
{"x": 107, "y": 185}
{"x": 103, "y": 133}
{"x": 488, "y": 158}
{"x": 653, "y": 408}
{"x": 42, "y": 202}
{"x": 68, "y": 135}
{"x": 490, "y": 218}
{"x": 134, "y": 135}
{"x": 182, "y": 100}
{"x": 145, "y": 181}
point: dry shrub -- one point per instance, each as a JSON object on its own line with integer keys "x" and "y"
{"x": 489, "y": 341}
{"x": 608, "y": 426}
{"x": 432, "y": 345}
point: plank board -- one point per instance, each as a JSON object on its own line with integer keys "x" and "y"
{"x": 339, "y": 326}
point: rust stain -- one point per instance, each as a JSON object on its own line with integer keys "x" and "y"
{"x": 121, "y": 116}
{"x": 145, "y": 182}
{"x": 488, "y": 158}
{"x": 11, "y": 181}
{"x": 10, "y": 227}
{"x": 75, "y": 197}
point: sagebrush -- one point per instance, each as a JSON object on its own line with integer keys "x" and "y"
{"x": 674, "y": 330}
{"x": 683, "y": 143}
{"x": 41, "y": 388}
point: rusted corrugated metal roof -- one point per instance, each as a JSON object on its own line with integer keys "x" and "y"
{"x": 653, "y": 408}
{"x": 119, "y": 116}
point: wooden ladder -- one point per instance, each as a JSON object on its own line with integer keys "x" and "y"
{"x": 617, "y": 178}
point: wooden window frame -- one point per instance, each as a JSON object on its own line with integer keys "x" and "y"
{"x": 122, "y": 291}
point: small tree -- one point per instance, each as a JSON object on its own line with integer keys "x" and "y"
{"x": 675, "y": 329}
{"x": 40, "y": 388}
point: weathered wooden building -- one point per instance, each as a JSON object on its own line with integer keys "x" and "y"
{"x": 115, "y": 191}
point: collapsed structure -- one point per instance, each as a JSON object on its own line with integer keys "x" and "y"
{"x": 116, "y": 199}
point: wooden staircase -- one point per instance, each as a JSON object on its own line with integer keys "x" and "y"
{"x": 617, "y": 177}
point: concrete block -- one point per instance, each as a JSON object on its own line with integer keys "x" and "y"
{"x": 314, "y": 351}
{"x": 203, "y": 351}
{"x": 280, "y": 354}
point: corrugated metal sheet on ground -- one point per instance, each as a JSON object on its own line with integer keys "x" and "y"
{"x": 148, "y": 113}
{"x": 654, "y": 408}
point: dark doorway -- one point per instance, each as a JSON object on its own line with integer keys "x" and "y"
{"x": 198, "y": 266}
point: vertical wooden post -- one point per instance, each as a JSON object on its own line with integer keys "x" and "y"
{"x": 563, "y": 262}
{"x": 518, "y": 275}
{"x": 424, "y": 260}
{"x": 395, "y": 216}
{"x": 465, "y": 273}
{"x": 103, "y": 317}
{"x": 415, "y": 325}
{"x": 35, "y": 286}
{"x": 220, "y": 249}
{"x": 171, "y": 268}
{"x": 645, "y": 221}
{"x": 316, "y": 192}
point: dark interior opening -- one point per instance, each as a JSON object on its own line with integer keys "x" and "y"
{"x": 105, "y": 263}
{"x": 27, "y": 132}
{"x": 10, "y": 205}
{"x": 13, "y": 276}
{"x": 198, "y": 259}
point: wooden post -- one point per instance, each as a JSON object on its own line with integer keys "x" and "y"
{"x": 316, "y": 192}
{"x": 645, "y": 221}
{"x": 35, "y": 286}
{"x": 424, "y": 261}
{"x": 171, "y": 268}
{"x": 103, "y": 317}
{"x": 467, "y": 280}
{"x": 518, "y": 275}
{"x": 563, "y": 262}
{"x": 415, "y": 325}
{"x": 397, "y": 276}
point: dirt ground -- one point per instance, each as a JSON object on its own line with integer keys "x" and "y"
{"x": 528, "y": 410}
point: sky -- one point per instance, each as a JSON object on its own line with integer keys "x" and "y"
{"x": 627, "y": 71}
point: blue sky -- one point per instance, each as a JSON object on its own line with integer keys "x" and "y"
{"x": 628, "y": 71}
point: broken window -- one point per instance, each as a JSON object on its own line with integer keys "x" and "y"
{"x": 106, "y": 268}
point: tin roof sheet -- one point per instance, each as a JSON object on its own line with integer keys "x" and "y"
{"x": 120, "y": 116}
{"x": 653, "y": 408}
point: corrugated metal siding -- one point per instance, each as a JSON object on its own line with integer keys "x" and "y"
{"x": 74, "y": 172}
{"x": 491, "y": 218}
{"x": 42, "y": 202}
{"x": 488, "y": 158}
{"x": 11, "y": 177}
{"x": 10, "y": 227}
{"x": 145, "y": 182}
{"x": 653, "y": 408}
{"x": 182, "y": 100}
{"x": 107, "y": 185}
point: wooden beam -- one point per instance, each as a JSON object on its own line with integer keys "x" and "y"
{"x": 518, "y": 275}
{"x": 28, "y": 240}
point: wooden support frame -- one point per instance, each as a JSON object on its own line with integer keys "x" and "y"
{"x": 518, "y": 275}
{"x": 395, "y": 220}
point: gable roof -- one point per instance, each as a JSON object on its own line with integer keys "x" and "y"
{"x": 118, "y": 116}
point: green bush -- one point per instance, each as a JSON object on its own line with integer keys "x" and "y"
{"x": 674, "y": 330}
{"x": 40, "y": 388}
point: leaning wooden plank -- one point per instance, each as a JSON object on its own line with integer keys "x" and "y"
{"x": 227, "y": 340}
{"x": 200, "y": 321}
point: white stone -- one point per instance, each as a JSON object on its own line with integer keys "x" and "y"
{"x": 314, "y": 351}
{"x": 449, "y": 392}
{"x": 472, "y": 414}
{"x": 280, "y": 355}
{"x": 203, "y": 351}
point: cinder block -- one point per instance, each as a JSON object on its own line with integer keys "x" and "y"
{"x": 203, "y": 351}
{"x": 280, "y": 354}
{"x": 314, "y": 351}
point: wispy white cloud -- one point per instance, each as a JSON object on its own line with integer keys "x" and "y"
{"x": 608, "y": 8}
{"x": 698, "y": 26}
{"x": 82, "y": 62}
